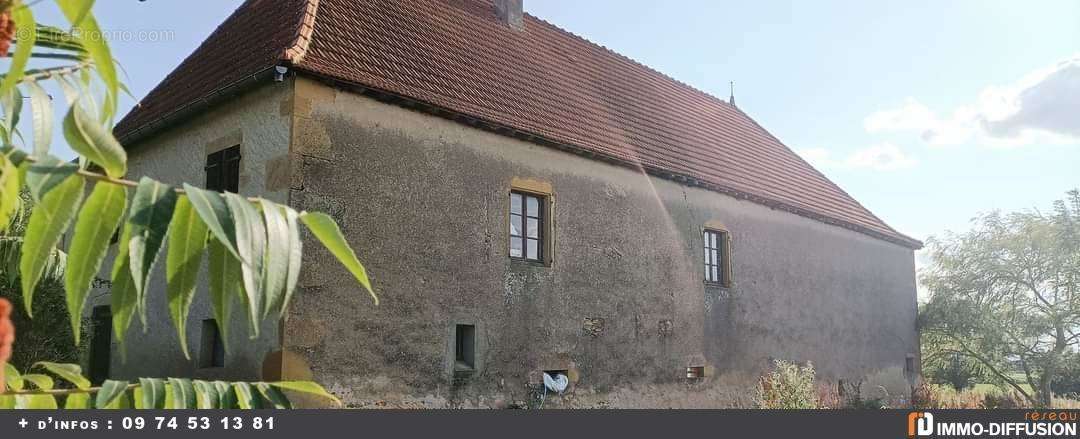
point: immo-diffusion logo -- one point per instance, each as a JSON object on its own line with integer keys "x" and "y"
{"x": 920, "y": 424}
{"x": 1035, "y": 424}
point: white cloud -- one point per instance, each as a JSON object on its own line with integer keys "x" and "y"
{"x": 880, "y": 157}
{"x": 1040, "y": 107}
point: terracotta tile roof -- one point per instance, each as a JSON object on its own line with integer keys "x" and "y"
{"x": 540, "y": 80}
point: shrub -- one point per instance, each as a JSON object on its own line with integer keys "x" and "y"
{"x": 925, "y": 396}
{"x": 1007, "y": 400}
{"x": 787, "y": 386}
{"x": 852, "y": 396}
{"x": 1067, "y": 383}
{"x": 958, "y": 371}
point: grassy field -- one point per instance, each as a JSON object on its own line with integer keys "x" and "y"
{"x": 985, "y": 394}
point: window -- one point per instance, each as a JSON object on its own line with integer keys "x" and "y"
{"x": 223, "y": 170}
{"x": 717, "y": 257}
{"x": 464, "y": 347}
{"x": 100, "y": 343}
{"x": 527, "y": 226}
{"x": 212, "y": 348}
{"x": 695, "y": 372}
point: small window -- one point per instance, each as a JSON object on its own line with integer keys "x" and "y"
{"x": 909, "y": 365}
{"x": 223, "y": 170}
{"x": 527, "y": 226}
{"x": 695, "y": 372}
{"x": 717, "y": 257}
{"x": 212, "y": 348}
{"x": 464, "y": 347}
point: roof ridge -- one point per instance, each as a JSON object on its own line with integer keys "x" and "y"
{"x": 295, "y": 52}
{"x": 635, "y": 62}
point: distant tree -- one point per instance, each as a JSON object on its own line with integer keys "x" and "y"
{"x": 1007, "y": 294}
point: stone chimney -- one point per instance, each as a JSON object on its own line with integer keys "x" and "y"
{"x": 510, "y": 13}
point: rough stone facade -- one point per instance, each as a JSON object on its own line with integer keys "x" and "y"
{"x": 259, "y": 122}
{"x": 621, "y": 305}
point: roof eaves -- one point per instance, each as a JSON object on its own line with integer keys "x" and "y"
{"x": 183, "y": 112}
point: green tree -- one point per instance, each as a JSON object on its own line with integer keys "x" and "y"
{"x": 48, "y": 337}
{"x": 253, "y": 245}
{"x": 1006, "y": 294}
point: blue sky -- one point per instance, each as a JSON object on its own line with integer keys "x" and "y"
{"x": 927, "y": 112}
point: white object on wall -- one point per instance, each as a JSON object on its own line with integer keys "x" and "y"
{"x": 556, "y": 384}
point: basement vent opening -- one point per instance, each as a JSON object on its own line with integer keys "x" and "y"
{"x": 556, "y": 380}
{"x": 464, "y": 347}
{"x": 695, "y": 372}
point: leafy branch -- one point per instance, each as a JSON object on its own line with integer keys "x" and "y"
{"x": 146, "y": 393}
{"x": 254, "y": 245}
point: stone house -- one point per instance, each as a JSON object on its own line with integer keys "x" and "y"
{"x": 525, "y": 201}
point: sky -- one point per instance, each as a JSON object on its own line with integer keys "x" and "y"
{"x": 927, "y": 112}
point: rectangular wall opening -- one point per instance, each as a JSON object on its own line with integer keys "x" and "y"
{"x": 212, "y": 347}
{"x": 100, "y": 343}
{"x": 464, "y": 347}
{"x": 695, "y": 372}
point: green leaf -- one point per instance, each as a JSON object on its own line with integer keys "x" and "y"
{"x": 226, "y": 395}
{"x": 42, "y": 115}
{"x": 35, "y": 402}
{"x": 215, "y": 214}
{"x": 26, "y": 31}
{"x": 77, "y": 401}
{"x": 91, "y": 37}
{"x": 151, "y": 212}
{"x": 55, "y": 38}
{"x": 251, "y": 242}
{"x": 43, "y": 382}
{"x": 295, "y": 257}
{"x": 326, "y": 230}
{"x": 48, "y": 222}
{"x": 245, "y": 398}
{"x": 88, "y": 137}
{"x": 276, "y": 265}
{"x": 111, "y": 390}
{"x": 187, "y": 240}
{"x": 9, "y": 191}
{"x": 273, "y": 396}
{"x": 71, "y": 373}
{"x": 12, "y": 104}
{"x": 82, "y": 8}
{"x": 45, "y": 174}
{"x": 183, "y": 393}
{"x": 153, "y": 393}
{"x": 97, "y": 222}
{"x": 12, "y": 377}
{"x": 123, "y": 297}
{"x": 70, "y": 88}
{"x": 205, "y": 395}
{"x": 308, "y": 387}
{"x": 225, "y": 282}
{"x": 16, "y": 155}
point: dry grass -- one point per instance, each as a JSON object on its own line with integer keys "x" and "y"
{"x": 980, "y": 397}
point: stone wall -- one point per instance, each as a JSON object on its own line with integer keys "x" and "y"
{"x": 260, "y": 122}
{"x": 621, "y": 306}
